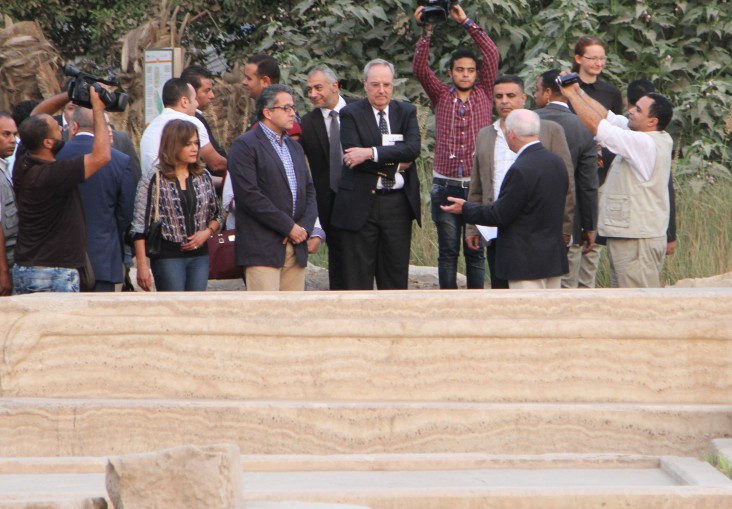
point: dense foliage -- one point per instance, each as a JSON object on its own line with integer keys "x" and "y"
{"x": 683, "y": 47}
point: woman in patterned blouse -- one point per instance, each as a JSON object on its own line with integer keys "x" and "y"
{"x": 188, "y": 213}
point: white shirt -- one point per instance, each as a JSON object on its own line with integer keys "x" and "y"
{"x": 503, "y": 158}
{"x": 150, "y": 141}
{"x": 398, "y": 177}
{"x": 638, "y": 148}
{"x": 521, "y": 150}
{"x": 326, "y": 113}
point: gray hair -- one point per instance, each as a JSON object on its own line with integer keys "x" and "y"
{"x": 523, "y": 123}
{"x": 84, "y": 118}
{"x": 268, "y": 98}
{"x": 377, "y": 61}
{"x": 330, "y": 75}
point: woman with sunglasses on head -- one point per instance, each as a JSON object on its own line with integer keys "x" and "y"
{"x": 182, "y": 196}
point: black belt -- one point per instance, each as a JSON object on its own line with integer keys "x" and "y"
{"x": 465, "y": 184}
{"x": 388, "y": 191}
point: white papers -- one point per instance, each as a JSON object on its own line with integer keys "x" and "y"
{"x": 487, "y": 232}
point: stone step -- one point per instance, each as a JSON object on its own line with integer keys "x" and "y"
{"x": 382, "y": 482}
{"x": 644, "y": 346}
{"x": 94, "y": 427}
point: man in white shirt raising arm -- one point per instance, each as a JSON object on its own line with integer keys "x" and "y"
{"x": 633, "y": 210}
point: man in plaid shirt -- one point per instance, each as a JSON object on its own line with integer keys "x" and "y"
{"x": 462, "y": 108}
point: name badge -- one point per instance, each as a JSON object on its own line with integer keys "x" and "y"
{"x": 389, "y": 140}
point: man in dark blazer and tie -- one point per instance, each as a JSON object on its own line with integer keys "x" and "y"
{"x": 319, "y": 127}
{"x": 583, "y": 149}
{"x": 529, "y": 211}
{"x": 108, "y": 199}
{"x": 378, "y": 194}
{"x": 275, "y": 197}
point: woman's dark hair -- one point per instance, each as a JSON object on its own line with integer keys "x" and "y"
{"x": 581, "y": 47}
{"x": 176, "y": 134}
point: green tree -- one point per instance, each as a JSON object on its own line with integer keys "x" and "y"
{"x": 682, "y": 46}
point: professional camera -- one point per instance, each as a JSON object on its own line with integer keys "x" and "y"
{"x": 78, "y": 90}
{"x": 567, "y": 79}
{"x": 436, "y": 11}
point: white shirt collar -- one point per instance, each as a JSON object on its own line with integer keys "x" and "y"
{"x": 560, "y": 103}
{"x": 339, "y": 106}
{"x": 526, "y": 146}
{"x": 376, "y": 112}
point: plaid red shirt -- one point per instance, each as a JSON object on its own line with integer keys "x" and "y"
{"x": 456, "y": 122}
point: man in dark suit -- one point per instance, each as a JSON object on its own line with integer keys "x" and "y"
{"x": 529, "y": 211}
{"x": 583, "y": 149}
{"x": 493, "y": 158}
{"x": 378, "y": 194}
{"x": 319, "y": 127}
{"x": 108, "y": 199}
{"x": 275, "y": 197}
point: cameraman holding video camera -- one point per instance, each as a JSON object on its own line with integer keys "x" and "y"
{"x": 51, "y": 244}
{"x": 462, "y": 108}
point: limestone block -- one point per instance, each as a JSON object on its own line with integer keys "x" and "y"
{"x": 289, "y": 504}
{"x": 89, "y": 503}
{"x": 645, "y": 346}
{"x": 192, "y": 477}
{"x": 719, "y": 281}
{"x": 96, "y": 428}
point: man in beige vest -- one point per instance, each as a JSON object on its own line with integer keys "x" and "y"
{"x": 634, "y": 200}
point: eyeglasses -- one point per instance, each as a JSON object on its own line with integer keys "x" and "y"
{"x": 596, "y": 60}
{"x": 287, "y": 108}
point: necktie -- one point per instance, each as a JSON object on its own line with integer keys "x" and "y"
{"x": 387, "y": 182}
{"x": 336, "y": 154}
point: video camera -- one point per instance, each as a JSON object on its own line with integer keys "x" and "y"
{"x": 78, "y": 90}
{"x": 567, "y": 79}
{"x": 436, "y": 11}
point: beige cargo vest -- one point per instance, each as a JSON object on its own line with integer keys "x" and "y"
{"x": 629, "y": 208}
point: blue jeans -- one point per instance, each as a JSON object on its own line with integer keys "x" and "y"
{"x": 180, "y": 274}
{"x": 44, "y": 279}
{"x": 450, "y": 235}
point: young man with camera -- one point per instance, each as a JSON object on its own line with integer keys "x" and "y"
{"x": 462, "y": 108}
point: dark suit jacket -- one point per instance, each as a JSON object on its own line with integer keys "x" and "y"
{"x": 122, "y": 142}
{"x": 528, "y": 213}
{"x": 315, "y": 142}
{"x": 583, "y": 149}
{"x": 358, "y": 184}
{"x": 263, "y": 210}
{"x": 552, "y": 138}
{"x": 108, "y": 198}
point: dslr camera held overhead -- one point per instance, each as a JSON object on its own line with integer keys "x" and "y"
{"x": 436, "y": 11}
{"x": 78, "y": 89}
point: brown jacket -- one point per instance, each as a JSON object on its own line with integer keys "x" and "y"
{"x": 552, "y": 138}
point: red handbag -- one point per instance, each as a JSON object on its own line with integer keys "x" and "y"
{"x": 222, "y": 256}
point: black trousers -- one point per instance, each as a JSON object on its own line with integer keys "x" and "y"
{"x": 380, "y": 249}
{"x": 496, "y": 282}
{"x": 335, "y": 258}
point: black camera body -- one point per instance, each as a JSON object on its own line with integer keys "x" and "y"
{"x": 436, "y": 11}
{"x": 567, "y": 79}
{"x": 78, "y": 90}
